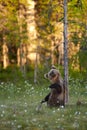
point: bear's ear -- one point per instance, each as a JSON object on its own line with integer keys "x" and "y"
{"x": 46, "y": 76}
{"x": 53, "y": 67}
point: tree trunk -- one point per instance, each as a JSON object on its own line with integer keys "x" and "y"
{"x": 5, "y": 53}
{"x": 52, "y": 52}
{"x": 65, "y": 54}
{"x": 36, "y": 66}
{"x": 21, "y": 52}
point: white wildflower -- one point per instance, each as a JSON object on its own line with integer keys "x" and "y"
{"x": 19, "y": 126}
{"x": 25, "y": 110}
{"x": 2, "y": 115}
{"x": 3, "y": 112}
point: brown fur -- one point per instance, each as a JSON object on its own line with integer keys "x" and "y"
{"x": 56, "y": 98}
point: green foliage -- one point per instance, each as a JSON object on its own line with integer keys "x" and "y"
{"x": 78, "y": 33}
{"x": 48, "y": 13}
{"x": 81, "y": 74}
{"x": 11, "y": 73}
{"x": 82, "y": 60}
{"x": 10, "y": 28}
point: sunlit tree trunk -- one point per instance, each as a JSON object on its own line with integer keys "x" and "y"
{"x": 20, "y": 52}
{"x": 31, "y": 30}
{"x": 5, "y": 54}
{"x": 32, "y": 35}
{"x": 52, "y": 52}
{"x": 65, "y": 53}
{"x": 31, "y": 25}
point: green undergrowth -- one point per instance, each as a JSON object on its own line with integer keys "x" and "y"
{"x": 19, "y": 102}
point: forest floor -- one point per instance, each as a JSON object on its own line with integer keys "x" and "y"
{"x": 18, "y": 103}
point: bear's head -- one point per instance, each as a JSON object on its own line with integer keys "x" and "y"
{"x": 53, "y": 75}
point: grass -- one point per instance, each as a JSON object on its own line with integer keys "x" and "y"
{"x": 18, "y": 103}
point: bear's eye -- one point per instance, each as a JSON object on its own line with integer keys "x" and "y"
{"x": 52, "y": 74}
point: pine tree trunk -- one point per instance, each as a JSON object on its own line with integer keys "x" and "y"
{"x": 52, "y": 52}
{"x": 21, "y": 41}
{"x": 5, "y": 53}
{"x": 21, "y": 51}
{"x": 65, "y": 54}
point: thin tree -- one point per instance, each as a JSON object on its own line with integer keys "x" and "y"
{"x": 65, "y": 53}
{"x": 36, "y": 66}
{"x": 21, "y": 19}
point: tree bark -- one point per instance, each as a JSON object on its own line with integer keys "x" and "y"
{"x": 21, "y": 51}
{"x": 65, "y": 54}
{"x": 5, "y": 53}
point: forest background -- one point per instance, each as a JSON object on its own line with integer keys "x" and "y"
{"x": 31, "y": 38}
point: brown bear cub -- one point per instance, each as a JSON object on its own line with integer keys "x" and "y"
{"x": 56, "y": 96}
